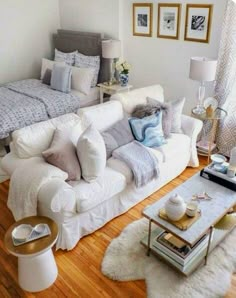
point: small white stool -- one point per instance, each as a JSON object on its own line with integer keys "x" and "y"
{"x": 37, "y": 269}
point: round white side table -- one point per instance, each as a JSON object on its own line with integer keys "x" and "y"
{"x": 37, "y": 269}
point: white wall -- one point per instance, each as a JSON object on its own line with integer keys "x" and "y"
{"x": 154, "y": 60}
{"x": 164, "y": 61}
{"x": 91, "y": 16}
{"x": 26, "y": 28}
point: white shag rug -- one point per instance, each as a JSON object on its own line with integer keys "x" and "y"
{"x": 125, "y": 259}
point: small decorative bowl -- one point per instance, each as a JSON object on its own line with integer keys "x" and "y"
{"x": 22, "y": 232}
{"x": 218, "y": 158}
{"x": 192, "y": 209}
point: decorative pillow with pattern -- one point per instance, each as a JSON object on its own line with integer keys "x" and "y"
{"x": 84, "y": 61}
{"x": 148, "y": 130}
{"x": 68, "y": 58}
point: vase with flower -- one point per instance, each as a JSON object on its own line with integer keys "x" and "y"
{"x": 123, "y": 69}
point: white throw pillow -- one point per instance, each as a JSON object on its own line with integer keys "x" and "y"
{"x": 91, "y": 152}
{"x": 48, "y": 64}
{"x": 81, "y": 79}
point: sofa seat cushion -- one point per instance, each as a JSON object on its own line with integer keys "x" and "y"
{"x": 177, "y": 144}
{"x": 89, "y": 195}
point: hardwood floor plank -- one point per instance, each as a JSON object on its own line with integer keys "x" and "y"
{"x": 80, "y": 269}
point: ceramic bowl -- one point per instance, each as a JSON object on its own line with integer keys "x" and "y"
{"x": 218, "y": 158}
{"x": 39, "y": 228}
{"x": 22, "y": 232}
{"x": 192, "y": 209}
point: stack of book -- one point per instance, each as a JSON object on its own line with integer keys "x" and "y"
{"x": 178, "y": 252}
{"x": 203, "y": 147}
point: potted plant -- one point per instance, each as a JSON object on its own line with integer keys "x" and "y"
{"x": 123, "y": 69}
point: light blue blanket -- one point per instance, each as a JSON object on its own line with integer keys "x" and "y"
{"x": 140, "y": 160}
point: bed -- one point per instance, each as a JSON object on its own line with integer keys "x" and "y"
{"x": 25, "y": 102}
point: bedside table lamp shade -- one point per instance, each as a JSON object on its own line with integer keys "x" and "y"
{"x": 111, "y": 49}
{"x": 203, "y": 70}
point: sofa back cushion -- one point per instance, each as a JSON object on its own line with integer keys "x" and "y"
{"x": 34, "y": 139}
{"x": 102, "y": 116}
{"x": 130, "y": 100}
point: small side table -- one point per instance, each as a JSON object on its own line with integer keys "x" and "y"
{"x": 112, "y": 89}
{"x": 218, "y": 114}
{"x": 37, "y": 269}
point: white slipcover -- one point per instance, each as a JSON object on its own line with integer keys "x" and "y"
{"x": 83, "y": 208}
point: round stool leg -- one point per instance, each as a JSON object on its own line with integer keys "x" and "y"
{"x": 38, "y": 272}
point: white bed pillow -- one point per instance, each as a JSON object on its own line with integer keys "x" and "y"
{"x": 81, "y": 79}
{"x": 91, "y": 152}
{"x": 89, "y": 62}
{"x": 48, "y": 64}
{"x": 68, "y": 58}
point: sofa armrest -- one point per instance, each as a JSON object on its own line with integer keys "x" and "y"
{"x": 192, "y": 127}
{"x": 57, "y": 196}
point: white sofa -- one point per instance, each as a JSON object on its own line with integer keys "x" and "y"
{"x": 80, "y": 208}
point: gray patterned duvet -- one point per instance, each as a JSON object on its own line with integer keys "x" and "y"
{"x": 26, "y": 102}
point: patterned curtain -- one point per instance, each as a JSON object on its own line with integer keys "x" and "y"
{"x": 225, "y": 89}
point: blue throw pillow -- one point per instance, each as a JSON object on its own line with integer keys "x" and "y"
{"x": 148, "y": 130}
{"x": 61, "y": 78}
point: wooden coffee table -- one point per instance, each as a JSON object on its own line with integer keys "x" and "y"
{"x": 37, "y": 269}
{"x": 212, "y": 211}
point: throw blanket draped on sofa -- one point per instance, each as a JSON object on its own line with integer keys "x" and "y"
{"x": 25, "y": 184}
{"x": 142, "y": 162}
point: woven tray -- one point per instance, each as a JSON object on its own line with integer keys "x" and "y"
{"x": 184, "y": 223}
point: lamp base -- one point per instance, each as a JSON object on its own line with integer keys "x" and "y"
{"x": 199, "y": 110}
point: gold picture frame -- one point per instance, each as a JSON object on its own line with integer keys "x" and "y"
{"x": 198, "y": 22}
{"x": 168, "y": 24}
{"x": 142, "y": 19}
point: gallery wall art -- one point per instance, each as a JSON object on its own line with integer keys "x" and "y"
{"x": 168, "y": 20}
{"x": 198, "y": 22}
{"x": 142, "y": 19}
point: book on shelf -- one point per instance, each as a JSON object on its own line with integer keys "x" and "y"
{"x": 182, "y": 254}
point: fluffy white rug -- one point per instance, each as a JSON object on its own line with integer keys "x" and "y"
{"x": 125, "y": 259}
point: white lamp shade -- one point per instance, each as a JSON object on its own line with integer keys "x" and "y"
{"x": 202, "y": 69}
{"x": 111, "y": 49}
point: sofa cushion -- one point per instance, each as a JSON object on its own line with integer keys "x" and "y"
{"x": 178, "y": 145}
{"x": 91, "y": 152}
{"x": 34, "y": 139}
{"x": 101, "y": 116}
{"x": 176, "y": 110}
{"x": 131, "y": 99}
{"x": 92, "y": 194}
{"x": 118, "y": 135}
{"x": 62, "y": 154}
{"x": 148, "y": 130}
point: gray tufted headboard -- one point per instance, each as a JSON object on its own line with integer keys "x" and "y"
{"x": 89, "y": 44}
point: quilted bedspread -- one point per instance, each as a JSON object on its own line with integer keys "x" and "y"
{"x": 26, "y": 102}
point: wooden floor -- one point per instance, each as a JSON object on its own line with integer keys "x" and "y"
{"x": 79, "y": 270}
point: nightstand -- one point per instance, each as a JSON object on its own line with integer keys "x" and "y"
{"x": 218, "y": 115}
{"x": 112, "y": 89}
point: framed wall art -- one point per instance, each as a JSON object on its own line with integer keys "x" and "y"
{"x": 168, "y": 20}
{"x": 198, "y": 22}
{"x": 142, "y": 19}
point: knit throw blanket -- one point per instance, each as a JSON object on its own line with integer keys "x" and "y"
{"x": 140, "y": 160}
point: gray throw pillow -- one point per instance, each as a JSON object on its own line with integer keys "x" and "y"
{"x": 116, "y": 136}
{"x": 62, "y": 154}
{"x": 61, "y": 78}
{"x": 47, "y": 77}
{"x": 176, "y": 113}
{"x": 152, "y": 107}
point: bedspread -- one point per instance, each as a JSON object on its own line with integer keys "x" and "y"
{"x": 25, "y": 102}
{"x": 56, "y": 103}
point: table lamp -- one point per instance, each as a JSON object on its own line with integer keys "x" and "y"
{"x": 203, "y": 70}
{"x": 111, "y": 49}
